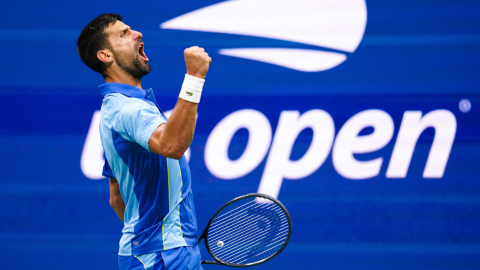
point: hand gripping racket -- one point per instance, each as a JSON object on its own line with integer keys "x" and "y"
{"x": 247, "y": 231}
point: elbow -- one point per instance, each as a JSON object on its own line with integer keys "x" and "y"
{"x": 175, "y": 152}
{"x": 177, "y": 155}
{"x": 112, "y": 203}
{"x": 115, "y": 203}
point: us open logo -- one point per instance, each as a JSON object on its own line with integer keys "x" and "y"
{"x": 336, "y": 27}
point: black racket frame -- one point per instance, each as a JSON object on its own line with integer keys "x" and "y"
{"x": 256, "y": 195}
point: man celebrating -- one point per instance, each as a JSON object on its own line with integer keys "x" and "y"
{"x": 150, "y": 182}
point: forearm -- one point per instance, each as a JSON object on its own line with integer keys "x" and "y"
{"x": 178, "y": 133}
{"x": 119, "y": 208}
{"x": 172, "y": 139}
{"x": 116, "y": 200}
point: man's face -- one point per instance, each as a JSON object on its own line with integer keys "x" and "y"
{"x": 128, "y": 49}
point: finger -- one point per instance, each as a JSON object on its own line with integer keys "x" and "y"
{"x": 206, "y": 58}
{"x": 191, "y": 49}
{"x": 194, "y": 48}
{"x": 201, "y": 54}
{"x": 198, "y": 50}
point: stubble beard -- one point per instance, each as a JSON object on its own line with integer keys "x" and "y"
{"x": 132, "y": 65}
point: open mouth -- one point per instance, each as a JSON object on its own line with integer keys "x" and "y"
{"x": 141, "y": 52}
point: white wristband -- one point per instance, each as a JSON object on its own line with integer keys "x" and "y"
{"x": 191, "y": 89}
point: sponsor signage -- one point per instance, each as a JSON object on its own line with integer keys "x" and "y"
{"x": 334, "y": 132}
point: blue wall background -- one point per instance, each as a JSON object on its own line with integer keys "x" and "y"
{"x": 415, "y": 55}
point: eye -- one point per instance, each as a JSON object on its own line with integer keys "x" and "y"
{"x": 123, "y": 33}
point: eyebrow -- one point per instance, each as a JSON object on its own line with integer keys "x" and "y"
{"x": 125, "y": 29}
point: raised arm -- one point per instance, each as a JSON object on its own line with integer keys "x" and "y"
{"x": 172, "y": 139}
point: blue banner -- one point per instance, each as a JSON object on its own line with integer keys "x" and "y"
{"x": 360, "y": 116}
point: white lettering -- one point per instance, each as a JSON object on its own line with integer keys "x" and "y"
{"x": 216, "y": 148}
{"x": 413, "y": 124}
{"x": 348, "y": 143}
{"x": 279, "y": 165}
{"x": 92, "y": 160}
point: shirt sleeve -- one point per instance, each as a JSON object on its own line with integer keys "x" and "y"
{"x": 107, "y": 171}
{"x": 136, "y": 122}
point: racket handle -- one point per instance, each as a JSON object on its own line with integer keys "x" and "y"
{"x": 210, "y": 262}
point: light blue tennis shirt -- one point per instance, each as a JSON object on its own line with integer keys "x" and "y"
{"x": 159, "y": 213}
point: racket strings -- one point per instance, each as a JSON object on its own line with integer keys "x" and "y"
{"x": 252, "y": 234}
{"x": 261, "y": 248}
{"x": 244, "y": 205}
{"x": 275, "y": 247}
{"x": 227, "y": 220}
{"x": 229, "y": 256}
{"x": 227, "y": 225}
{"x": 246, "y": 220}
{"x": 249, "y": 240}
{"x": 248, "y": 225}
{"x": 254, "y": 255}
{"x": 250, "y": 230}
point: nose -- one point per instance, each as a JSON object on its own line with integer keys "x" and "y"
{"x": 137, "y": 35}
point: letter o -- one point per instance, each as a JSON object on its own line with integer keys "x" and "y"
{"x": 216, "y": 148}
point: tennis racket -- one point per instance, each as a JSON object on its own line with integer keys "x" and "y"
{"x": 247, "y": 231}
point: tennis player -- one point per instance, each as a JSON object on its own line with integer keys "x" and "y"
{"x": 150, "y": 182}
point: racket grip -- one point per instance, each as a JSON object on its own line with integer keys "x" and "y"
{"x": 210, "y": 262}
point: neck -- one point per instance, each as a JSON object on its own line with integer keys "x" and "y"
{"x": 121, "y": 76}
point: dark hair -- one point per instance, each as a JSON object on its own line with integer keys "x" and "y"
{"x": 93, "y": 38}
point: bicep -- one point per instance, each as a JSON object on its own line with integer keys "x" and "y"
{"x": 154, "y": 141}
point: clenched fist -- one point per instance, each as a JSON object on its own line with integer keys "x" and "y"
{"x": 197, "y": 61}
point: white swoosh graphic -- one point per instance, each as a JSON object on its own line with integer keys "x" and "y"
{"x": 334, "y": 24}
{"x": 298, "y": 59}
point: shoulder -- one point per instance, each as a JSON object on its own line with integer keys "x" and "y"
{"x": 126, "y": 105}
{"x": 124, "y": 101}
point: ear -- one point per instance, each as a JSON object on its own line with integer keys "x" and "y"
{"x": 105, "y": 56}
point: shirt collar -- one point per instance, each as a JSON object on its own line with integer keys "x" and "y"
{"x": 130, "y": 91}
{"x": 124, "y": 89}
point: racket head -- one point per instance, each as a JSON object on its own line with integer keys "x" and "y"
{"x": 248, "y": 230}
